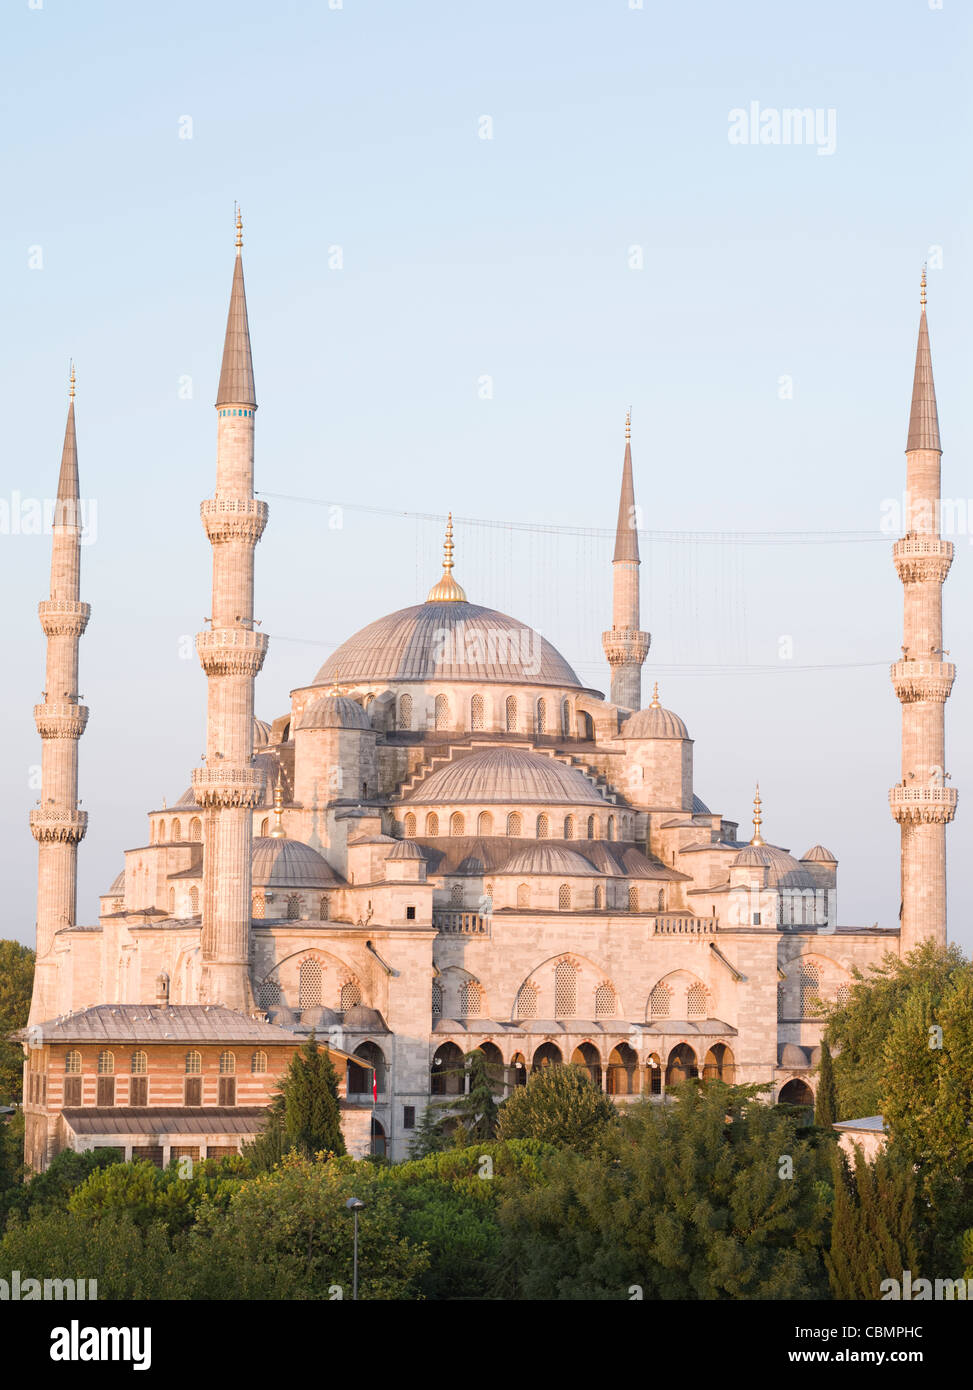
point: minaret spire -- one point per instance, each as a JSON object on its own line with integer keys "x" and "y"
{"x": 58, "y": 825}
{"x": 922, "y": 803}
{"x": 757, "y": 839}
{"x": 626, "y": 646}
{"x": 231, "y": 653}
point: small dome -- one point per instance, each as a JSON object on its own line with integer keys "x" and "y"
{"x": 118, "y": 883}
{"x": 261, "y": 733}
{"x": 506, "y": 775}
{"x": 793, "y": 1057}
{"x": 785, "y": 871}
{"x": 544, "y": 858}
{"x": 289, "y": 864}
{"x": 334, "y": 712}
{"x": 654, "y": 722}
{"x": 406, "y": 849}
{"x": 365, "y": 1020}
{"x": 817, "y": 854}
{"x": 700, "y": 808}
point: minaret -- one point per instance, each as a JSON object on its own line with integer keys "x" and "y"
{"x": 922, "y": 803}
{"x": 57, "y": 825}
{"x": 626, "y": 647}
{"x": 231, "y": 653}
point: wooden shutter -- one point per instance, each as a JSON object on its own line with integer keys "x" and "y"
{"x": 72, "y": 1091}
{"x": 106, "y": 1090}
{"x": 227, "y": 1094}
{"x": 139, "y": 1094}
{"x": 194, "y": 1090}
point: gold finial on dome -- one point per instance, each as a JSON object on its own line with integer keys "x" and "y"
{"x": 447, "y": 590}
{"x": 655, "y": 697}
{"x": 71, "y": 383}
{"x": 277, "y": 830}
{"x": 628, "y": 423}
{"x": 758, "y": 839}
{"x": 922, "y": 288}
{"x": 238, "y": 216}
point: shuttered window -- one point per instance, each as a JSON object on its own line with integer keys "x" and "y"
{"x": 139, "y": 1094}
{"x": 194, "y": 1090}
{"x": 227, "y": 1095}
{"x": 106, "y": 1090}
{"x": 72, "y": 1091}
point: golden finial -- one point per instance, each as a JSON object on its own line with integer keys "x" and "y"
{"x": 757, "y": 819}
{"x": 922, "y": 288}
{"x": 335, "y": 687}
{"x": 447, "y": 590}
{"x": 628, "y": 424}
{"x": 655, "y": 697}
{"x": 71, "y": 384}
{"x": 239, "y": 225}
{"x": 277, "y": 830}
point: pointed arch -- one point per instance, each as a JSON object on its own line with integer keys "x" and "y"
{"x": 484, "y": 823}
{"x": 476, "y": 713}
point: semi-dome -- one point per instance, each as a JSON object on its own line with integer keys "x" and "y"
{"x": 817, "y": 854}
{"x": 261, "y": 733}
{"x": 118, "y": 883}
{"x": 283, "y": 863}
{"x": 448, "y": 641}
{"x": 506, "y": 775}
{"x": 654, "y": 722}
{"x": 784, "y": 869}
{"x": 549, "y": 859}
{"x": 793, "y": 1057}
{"x": 334, "y": 712}
{"x": 406, "y": 849}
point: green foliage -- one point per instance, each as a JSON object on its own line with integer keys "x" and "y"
{"x": 476, "y": 1111}
{"x": 304, "y": 1115}
{"x": 12, "y": 1168}
{"x": 429, "y": 1136}
{"x": 49, "y": 1191}
{"x": 561, "y": 1106}
{"x": 16, "y": 982}
{"x": 129, "y": 1262}
{"x": 826, "y": 1100}
{"x": 686, "y": 1201}
{"x": 149, "y": 1194}
{"x": 873, "y": 1224}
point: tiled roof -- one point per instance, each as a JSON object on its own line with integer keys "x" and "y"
{"x": 92, "y": 1119}
{"x": 152, "y": 1023}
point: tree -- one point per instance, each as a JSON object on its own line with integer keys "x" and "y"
{"x": 428, "y": 1136}
{"x": 825, "y": 1101}
{"x": 873, "y": 1224}
{"x": 16, "y": 983}
{"x": 560, "y": 1105}
{"x": 49, "y": 1191}
{"x": 476, "y": 1111}
{"x": 304, "y": 1114}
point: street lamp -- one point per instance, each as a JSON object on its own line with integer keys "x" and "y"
{"x": 354, "y": 1205}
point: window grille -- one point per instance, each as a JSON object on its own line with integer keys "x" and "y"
{"x": 565, "y": 989}
{"x": 514, "y": 824}
{"x": 527, "y": 1001}
{"x": 604, "y": 1001}
{"x": 510, "y": 710}
{"x": 140, "y": 1063}
{"x": 194, "y": 1063}
{"x": 106, "y": 1063}
{"x": 660, "y": 1001}
{"x": 476, "y": 712}
{"x": 309, "y": 988}
{"x": 696, "y": 1001}
{"x": 442, "y": 712}
{"x": 564, "y": 896}
{"x": 469, "y": 999}
{"x": 258, "y": 1063}
{"x": 350, "y": 995}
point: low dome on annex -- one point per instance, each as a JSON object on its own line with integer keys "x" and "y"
{"x": 506, "y": 775}
{"x": 283, "y": 863}
{"x": 334, "y": 712}
{"x": 654, "y": 722}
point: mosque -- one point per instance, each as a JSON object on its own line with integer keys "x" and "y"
{"x": 444, "y": 841}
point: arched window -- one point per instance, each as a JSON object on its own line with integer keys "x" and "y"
{"x": 405, "y": 712}
{"x": 611, "y": 827}
{"x": 72, "y": 1063}
{"x": 843, "y": 996}
{"x": 448, "y": 1077}
{"x": 565, "y": 718}
{"x": 194, "y": 1064}
{"x": 437, "y": 999}
{"x": 541, "y": 722}
{"x": 469, "y": 999}
{"x": 264, "y": 827}
{"x": 527, "y": 1001}
{"x": 172, "y": 902}
{"x": 442, "y": 712}
{"x": 604, "y": 1001}
{"x": 106, "y": 1063}
{"x": 162, "y": 830}
{"x": 591, "y": 827}
{"x": 662, "y": 900}
{"x": 586, "y": 728}
{"x": 258, "y": 1063}
{"x": 140, "y": 1063}
{"x": 194, "y": 899}
{"x": 564, "y": 896}
{"x": 324, "y": 908}
{"x": 350, "y": 996}
{"x": 598, "y": 896}
{"x": 543, "y": 826}
{"x": 781, "y": 1009}
{"x": 696, "y": 1001}
{"x": 457, "y": 823}
{"x": 196, "y": 829}
{"x": 152, "y": 830}
{"x": 227, "y": 1064}
{"x": 259, "y": 905}
{"x": 432, "y": 824}
{"x": 660, "y": 1001}
{"x": 293, "y": 907}
{"x": 510, "y": 711}
{"x": 309, "y": 988}
{"x": 359, "y": 1079}
{"x": 810, "y": 988}
{"x": 523, "y": 895}
{"x": 177, "y": 830}
{"x": 476, "y": 712}
{"x": 569, "y": 827}
{"x": 565, "y": 989}
{"x": 456, "y": 895}
{"x": 484, "y": 823}
{"x": 410, "y": 826}
{"x": 269, "y": 994}
{"x": 633, "y": 899}
{"x": 514, "y": 824}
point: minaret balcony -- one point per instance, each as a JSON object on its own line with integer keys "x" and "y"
{"x": 234, "y": 518}
{"x": 61, "y": 720}
{"x": 49, "y": 824}
{"x": 229, "y": 785}
{"x": 62, "y": 617}
{"x": 232, "y": 651}
{"x": 922, "y": 559}
{"x": 923, "y": 805}
{"x": 623, "y": 644}
{"x": 923, "y": 680}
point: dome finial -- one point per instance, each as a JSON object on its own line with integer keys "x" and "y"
{"x": 447, "y": 590}
{"x": 71, "y": 382}
{"x": 277, "y": 830}
{"x": 922, "y": 288}
{"x": 238, "y": 218}
{"x": 628, "y": 423}
{"x": 758, "y": 839}
{"x": 655, "y": 697}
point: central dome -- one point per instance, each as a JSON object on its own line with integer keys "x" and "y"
{"x": 448, "y": 641}
{"x": 506, "y": 775}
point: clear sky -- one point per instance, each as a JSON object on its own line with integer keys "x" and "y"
{"x": 442, "y": 320}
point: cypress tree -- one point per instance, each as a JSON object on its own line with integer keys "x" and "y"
{"x": 312, "y": 1120}
{"x": 825, "y": 1106}
{"x": 477, "y": 1110}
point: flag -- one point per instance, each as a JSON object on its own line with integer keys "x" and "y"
{"x": 374, "y": 1084}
